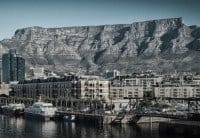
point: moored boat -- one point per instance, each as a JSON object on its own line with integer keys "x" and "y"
{"x": 40, "y": 110}
{"x": 13, "y": 109}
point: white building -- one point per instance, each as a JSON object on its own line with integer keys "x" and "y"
{"x": 146, "y": 82}
{"x": 126, "y": 91}
{"x": 38, "y": 72}
{"x": 92, "y": 87}
{"x": 177, "y": 91}
{"x": 4, "y": 89}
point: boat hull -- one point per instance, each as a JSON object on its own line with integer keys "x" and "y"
{"x": 37, "y": 116}
{"x": 10, "y": 112}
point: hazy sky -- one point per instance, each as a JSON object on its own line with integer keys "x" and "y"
{"x": 16, "y": 14}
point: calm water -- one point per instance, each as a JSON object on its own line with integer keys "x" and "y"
{"x": 20, "y": 128}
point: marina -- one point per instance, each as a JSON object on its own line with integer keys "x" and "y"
{"x": 19, "y": 127}
{"x": 100, "y": 69}
{"x": 13, "y": 109}
{"x": 47, "y": 112}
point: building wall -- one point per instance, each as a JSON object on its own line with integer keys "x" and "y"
{"x": 6, "y": 68}
{"x": 126, "y": 91}
{"x": 4, "y": 89}
{"x": 93, "y": 89}
{"x": 46, "y": 89}
{"x": 146, "y": 83}
{"x": 177, "y": 91}
{"x": 20, "y": 69}
{"x": 83, "y": 89}
{"x": 13, "y": 67}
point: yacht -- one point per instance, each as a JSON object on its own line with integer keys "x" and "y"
{"x": 41, "y": 110}
{"x": 13, "y": 109}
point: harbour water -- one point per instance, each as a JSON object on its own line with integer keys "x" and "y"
{"x": 11, "y": 127}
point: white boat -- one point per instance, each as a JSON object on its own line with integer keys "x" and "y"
{"x": 41, "y": 110}
{"x": 13, "y": 109}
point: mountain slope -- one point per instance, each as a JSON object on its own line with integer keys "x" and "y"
{"x": 162, "y": 45}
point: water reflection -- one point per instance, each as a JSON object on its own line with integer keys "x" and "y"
{"x": 39, "y": 128}
{"x": 21, "y": 128}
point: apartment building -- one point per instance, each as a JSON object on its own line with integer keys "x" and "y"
{"x": 117, "y": 92}
{"x": 93, "y": 87}
{"x": 145, "y": 82}
{"x": 177, "y": 91}
{"x": 49, "y": 88}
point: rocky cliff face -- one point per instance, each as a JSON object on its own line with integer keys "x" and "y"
{"x": 162, "y": 45}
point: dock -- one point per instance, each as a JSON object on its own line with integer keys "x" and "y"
{"x": 97, "y": 118}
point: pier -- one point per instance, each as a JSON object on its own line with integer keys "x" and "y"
{"x": 97, "y": 118}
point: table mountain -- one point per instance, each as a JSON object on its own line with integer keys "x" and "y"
{"x": 162, "y": 45}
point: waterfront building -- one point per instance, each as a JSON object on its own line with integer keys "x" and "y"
{"x": 120, "y": 96}
{"x": 177, "y": 91}
{"x": 146, "y": 82}
{"x": 48, "y": 88}
{"x": 97, "y": 88}
{"x": 117, "y": 92}
{"x": 93, "y": 87}
{"x": 85, "y": 87}
{"x": 13, "y": 67}
{"x": 4, "y": 89}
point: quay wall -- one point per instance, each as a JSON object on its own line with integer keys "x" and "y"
{"x": 109, "y": 119}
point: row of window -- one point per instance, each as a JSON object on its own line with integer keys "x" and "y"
{"x": 43, "y": 86}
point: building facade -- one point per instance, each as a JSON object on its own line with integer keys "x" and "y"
{"x": 125, "y": 92}
{"x": 146, "y": 82}
{"x": 13, "y": 67}
{"x": 4, "y": 89}
{"x": 48, "y": 88}
{"x": 177, "y": 91}
{"x": 92, "y": 87}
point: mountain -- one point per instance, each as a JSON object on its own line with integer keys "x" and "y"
{"x": 162, "y": 45}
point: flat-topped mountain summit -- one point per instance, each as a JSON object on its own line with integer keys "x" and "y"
{"x": 162, "y": 45}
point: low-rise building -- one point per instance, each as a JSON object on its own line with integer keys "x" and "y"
{"x": 93, "y": 87}
{"x": 122, "y": 92}
{"x": 177, "y": 91}
{"x": 4, "y": 89}
{"x": 84, "y": 87}
{"x": 146, "y": 82}
{"x": 49, "y": 88}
